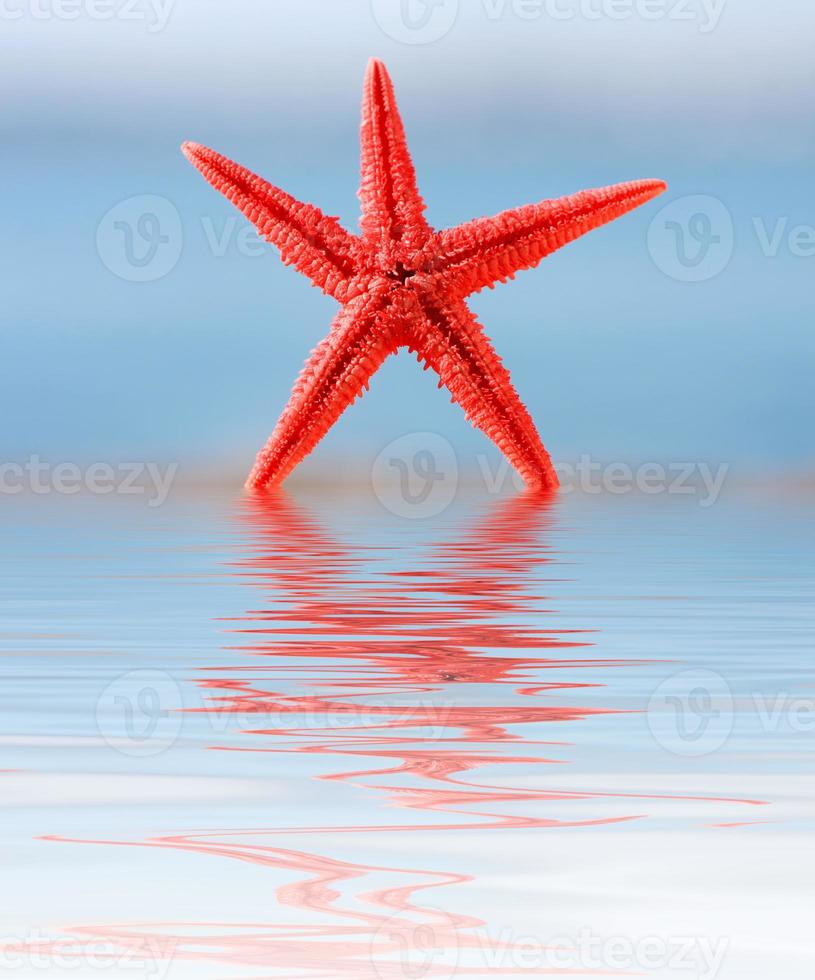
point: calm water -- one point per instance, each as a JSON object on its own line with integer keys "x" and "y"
{"x": 296, "y": 737}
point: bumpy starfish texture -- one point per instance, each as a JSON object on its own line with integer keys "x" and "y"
{"x": 403, "y": 284}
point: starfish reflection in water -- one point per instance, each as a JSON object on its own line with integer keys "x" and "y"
{"x": 403, "y": 284}
{"x": 357, "y": 655}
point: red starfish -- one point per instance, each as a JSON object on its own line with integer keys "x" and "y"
{"x": 402, "y": 284}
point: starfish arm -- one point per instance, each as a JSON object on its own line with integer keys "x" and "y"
{"x": 313, "y": 243}
{"x": 489, "y": 250}
{"x": 453, "y": 343}
{"x": 392, "y": 209}
{"x": 335, "y": 374}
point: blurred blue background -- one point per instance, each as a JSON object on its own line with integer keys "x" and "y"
{"x": 616, "y": 354}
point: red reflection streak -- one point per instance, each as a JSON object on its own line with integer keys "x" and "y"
{"x": 487, "y": 575}
{"x": 356, "y": 944}
{"x": 428, "y": 632}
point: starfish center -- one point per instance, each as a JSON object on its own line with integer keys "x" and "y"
{"x": 402, "y": 273}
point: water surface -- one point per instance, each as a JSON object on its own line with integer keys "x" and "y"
{"x": 297, "y": 736}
